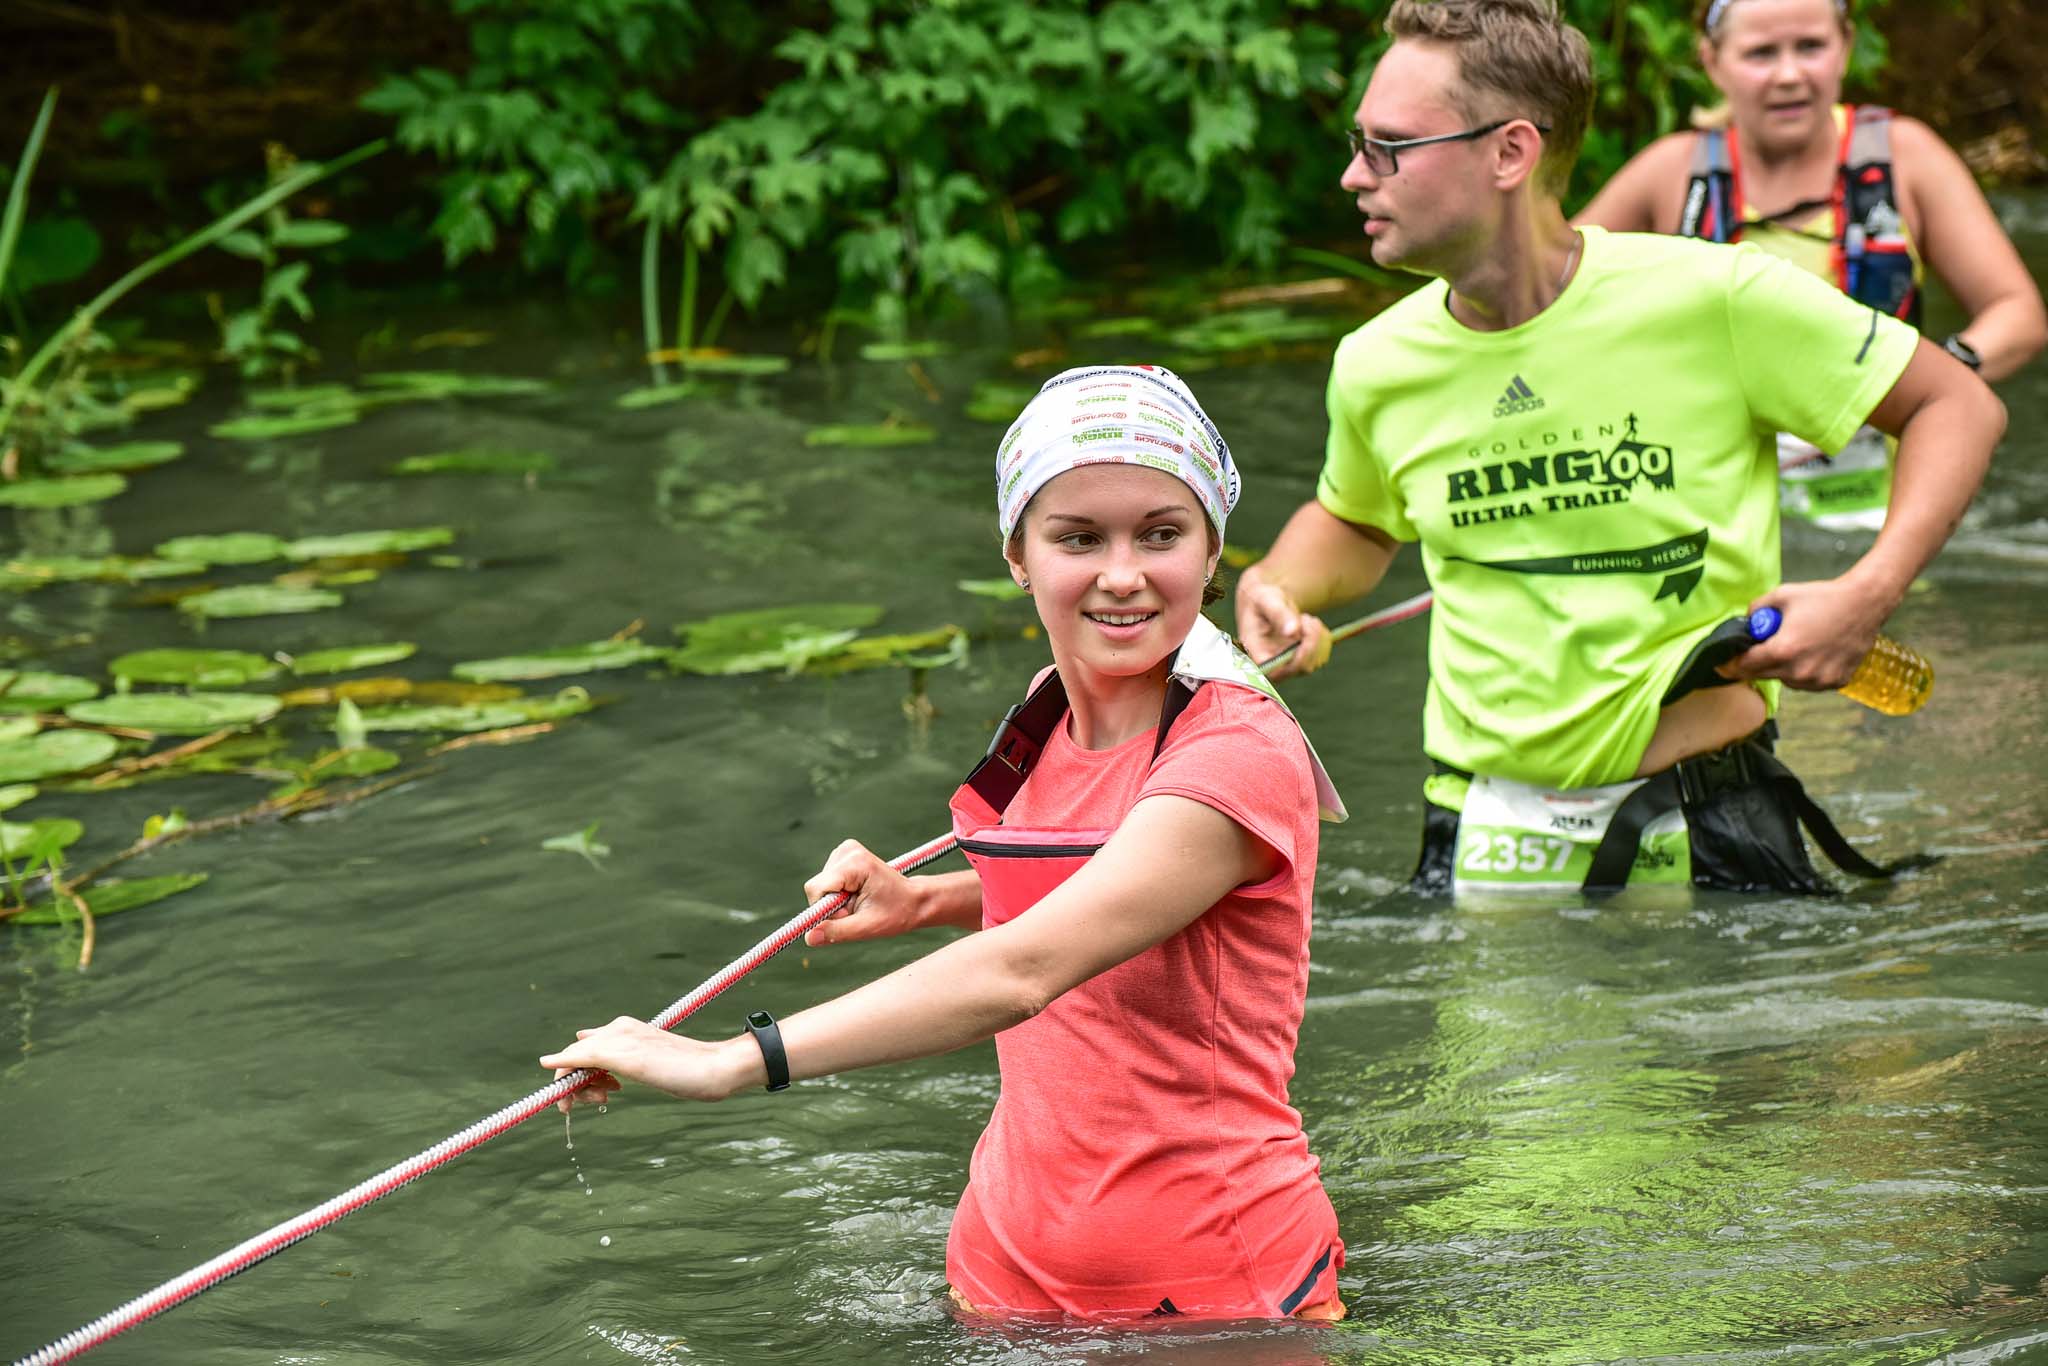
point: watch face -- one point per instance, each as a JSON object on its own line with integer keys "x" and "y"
{"x": 1963, "y": 352}
{"x": 760, "y": 1019}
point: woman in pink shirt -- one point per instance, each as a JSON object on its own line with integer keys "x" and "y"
{"x": 1143, "y": 845}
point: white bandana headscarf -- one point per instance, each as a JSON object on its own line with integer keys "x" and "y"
{"x": 1718, "y": 11}
{"x": 1114, "y": 415}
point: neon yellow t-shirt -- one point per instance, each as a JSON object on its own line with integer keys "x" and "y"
{"x": 1595, "y": 489}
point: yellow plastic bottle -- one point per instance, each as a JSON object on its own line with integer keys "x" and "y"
{"x": 1894, "y": 679}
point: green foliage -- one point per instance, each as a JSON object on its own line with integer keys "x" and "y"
{"x": 897, "y": 153}
{"x": 254, "y": 339}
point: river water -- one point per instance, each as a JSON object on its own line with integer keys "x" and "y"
{"x": 1714, "y": 1130}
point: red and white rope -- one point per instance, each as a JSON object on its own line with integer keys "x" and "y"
{"x": 242, "y": 1256}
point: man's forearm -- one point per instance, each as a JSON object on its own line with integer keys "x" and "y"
{"x": 1322, "y": 561}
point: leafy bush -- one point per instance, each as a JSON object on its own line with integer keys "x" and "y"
{"x": 896, "y": 152}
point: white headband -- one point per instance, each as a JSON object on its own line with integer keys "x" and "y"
{"x": 1114, "y": 415}
{"x": 1719, "y": 9}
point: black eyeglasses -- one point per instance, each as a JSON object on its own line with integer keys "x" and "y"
{"x": 1380, "y": 156}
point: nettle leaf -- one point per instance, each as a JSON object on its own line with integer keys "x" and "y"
{"x": 753, "y": 263}
{"x": 1221, "y": 125}
{"x": 286, "y": 285}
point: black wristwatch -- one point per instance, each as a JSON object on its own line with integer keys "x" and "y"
{"x": 768, "y": 1034}
{"x": 1963, "y": 351}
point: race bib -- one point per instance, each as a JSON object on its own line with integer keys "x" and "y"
{"x": 1848, "y": 491}
{"x": 1518, "y": 837}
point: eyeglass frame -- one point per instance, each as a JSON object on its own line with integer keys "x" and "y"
{"x": 1363, "y": 146}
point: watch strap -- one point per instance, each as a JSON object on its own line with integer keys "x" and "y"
{"x": 768, "y": 1035}
{"x": 1962, "y": 351}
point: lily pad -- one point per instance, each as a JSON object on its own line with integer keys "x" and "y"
{"x": 352, "y": 543}
{"x": 79, "y": 458}
{"x": 61, "y": 493}
{"x": 258, "y": 600}
{"x": 342, "y": 658}
{"x": 379, "y": 691}
{"x": 583, "y": 842}
{"x": 715, "y": 363}
{"x": 302, "y": 396}
{"x": 110, "y": 898}
{"x": 35, "y": 571}
{"x": 233, "y": 547}
{"x": 1002, "y": 590}
{"x": 17, "y": 728}
{"x": 1258, "y": 327}
{"x": 997, "y": 401}
{"x": 236, "y": 754}
{"x": 260, "y": 427}
{"x": 193, "y": 668}
{"x": 915, "y": 350}
{"x": 876, "y": 434}
{"x": 331, "y": 765}
{"x": 14, "y": 794}
{"x": 916, "y": 650}
{"x": 30, "y": 691}
{"x": 38, "y": 839}
{"x": 176, "y": 713}
{"x": 480, "y": 460}
{"x": 427, "y": 384}
{"x": 772, "y": 638}
{"x": 568, "y": 659}
{"x": 1241, "y": 556}
{"x": 54, "y": 752}
{"x": 478, "y": 716}
{"x": 1118, "y": 327}
{"x": 654, "y": 395}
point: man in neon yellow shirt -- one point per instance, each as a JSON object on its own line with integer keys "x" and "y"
{"x": 1579, "y": 430}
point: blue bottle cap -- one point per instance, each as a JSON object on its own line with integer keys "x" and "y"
{"x": 1764, "y": 623}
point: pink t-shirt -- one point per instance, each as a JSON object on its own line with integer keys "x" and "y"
{"x": 1143, "y": 1157}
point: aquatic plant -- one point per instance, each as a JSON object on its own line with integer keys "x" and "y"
{"x": 48, "y": 401}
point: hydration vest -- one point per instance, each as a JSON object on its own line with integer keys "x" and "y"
{"x": 1872, "y": 258}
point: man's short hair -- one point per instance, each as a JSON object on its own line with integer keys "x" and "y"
{"x": 1516, "y": 58}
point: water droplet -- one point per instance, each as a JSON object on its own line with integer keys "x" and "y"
{"x": 605, "y": 1240}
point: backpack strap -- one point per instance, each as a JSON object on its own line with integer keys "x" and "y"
{"x": 1712, "y": 208}
{"x": 1690, "y": 783}
{"x": 1028, "y": 727}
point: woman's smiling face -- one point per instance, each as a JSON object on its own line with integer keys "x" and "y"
{"x": 1116, "y": 557}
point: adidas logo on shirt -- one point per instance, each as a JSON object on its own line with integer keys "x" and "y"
{"x": 1519, "y": 398}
